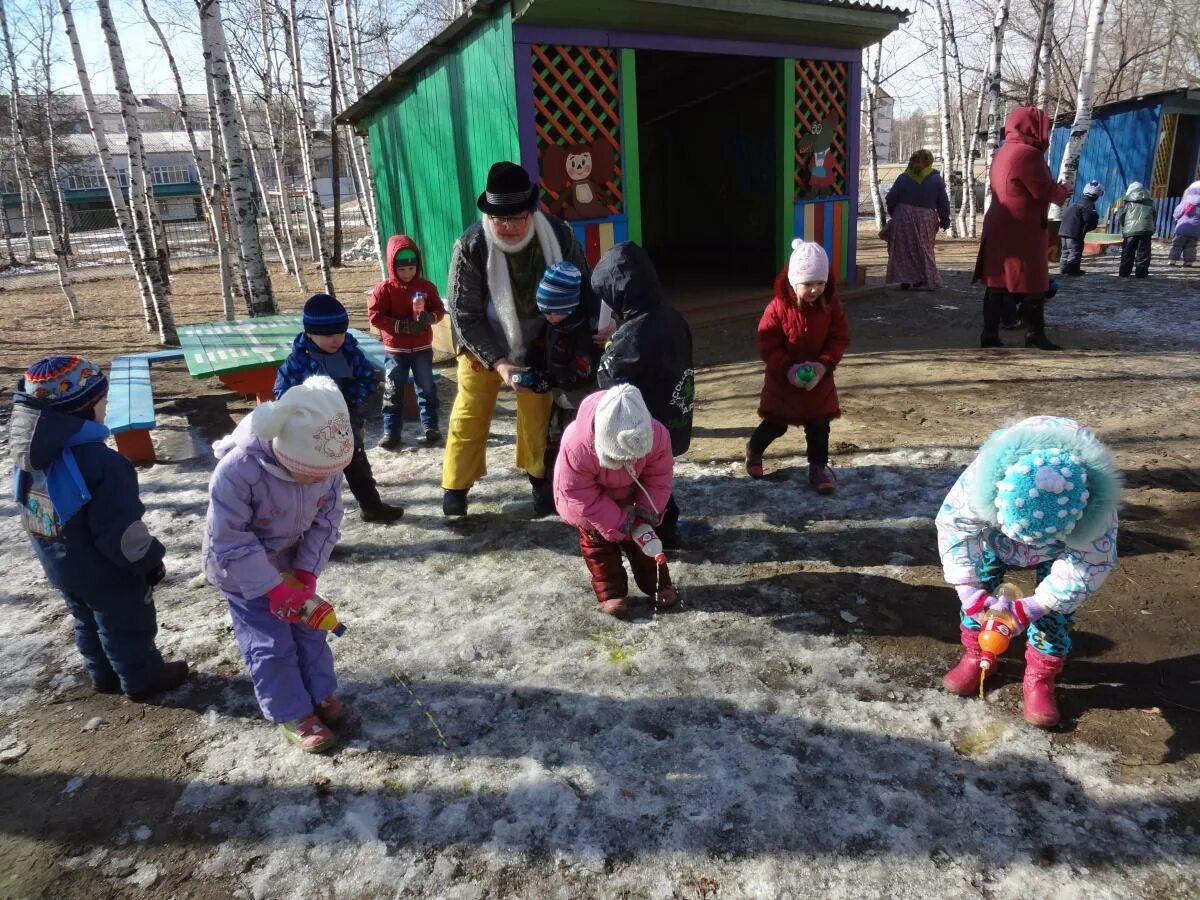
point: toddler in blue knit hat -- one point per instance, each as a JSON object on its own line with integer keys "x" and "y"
{"x": 1041, "y": 494}
{"x": 79, "y": 505}
{"x": 564, "y": 359}
{"x": 325, "y": 347}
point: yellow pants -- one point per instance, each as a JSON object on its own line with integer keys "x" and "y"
{"x": 465, "y": 461}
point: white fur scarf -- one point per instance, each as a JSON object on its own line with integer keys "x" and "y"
{"x": 500, "y": 284}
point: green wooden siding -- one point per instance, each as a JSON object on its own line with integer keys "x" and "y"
{"x": 629, "y": 130}
{"x": 432, "y": 145}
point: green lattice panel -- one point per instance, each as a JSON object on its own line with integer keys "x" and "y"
{"x": 576, "y": 99}
{"x": 822, "y": 93}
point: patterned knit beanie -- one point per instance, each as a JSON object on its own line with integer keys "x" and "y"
{"x": 1093, "y": 189}
{"x": 323, "y": 314}
{"x": 68, "y": 384}
{"x": 558, "y": 292}
{"x": 1042, "y": 496}
{"x": 308, "y": 427}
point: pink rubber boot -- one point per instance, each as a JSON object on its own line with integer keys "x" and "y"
{"x": 963, "y": 679}
{"x": 1040, "y": 671}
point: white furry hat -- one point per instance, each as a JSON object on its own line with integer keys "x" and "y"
{"x": 623, "y": 430}
{"x": 809, "y": 262}
{"x": 308, "y": 427}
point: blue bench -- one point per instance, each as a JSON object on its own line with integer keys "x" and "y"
{"x": 130, "y": 414}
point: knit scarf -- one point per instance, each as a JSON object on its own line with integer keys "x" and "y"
{"x": 500, "y": 284}
{"x": 919, "y": 175}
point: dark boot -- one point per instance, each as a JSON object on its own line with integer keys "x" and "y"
{"x": 1035, "y": 322}
{"x": 543, "y": 497}
{"x": 993, "y": 305}
{"x": 172, "y": 675}
{"x": 384, "y": 513}
{"x": 390, "y": 442}
{"x": 454, "y": 503}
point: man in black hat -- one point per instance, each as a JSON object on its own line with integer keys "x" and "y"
{"x": 495, "y": 269}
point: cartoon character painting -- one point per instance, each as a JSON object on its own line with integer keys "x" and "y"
{"x": 816, "y": 144}
{"x": 577, "y": 173}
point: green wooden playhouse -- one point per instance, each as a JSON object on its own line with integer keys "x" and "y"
{"x": 710, "y": 131}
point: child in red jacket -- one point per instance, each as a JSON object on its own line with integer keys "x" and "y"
{"x": 801, "y": 337}
{"x": 405, "y": 308}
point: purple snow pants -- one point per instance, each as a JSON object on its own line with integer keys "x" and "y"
{"x": 290, "y": 666}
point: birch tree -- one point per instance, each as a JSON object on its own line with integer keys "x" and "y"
{"x": 1084, "y": 98}
{"x": 995, "y": 112}
{"x": 228, "y": 274}
{"x": 270, "y": 80}
{"x": 116, "y": 195}
{"x": 139, "y": 194}
{"x": 944, "y": 95}
{"x": 260, "y": 298}
{"x": 872, "y": 99}
{"x": 358, "y": 140}
{"x": 314, "y": 207}
{"x": 22, "y": 149}
{"x": 14, "y": 116}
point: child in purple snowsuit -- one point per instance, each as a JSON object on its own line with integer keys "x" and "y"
{"x": 1187, "y": 227}
{"x": 275, "y": 507}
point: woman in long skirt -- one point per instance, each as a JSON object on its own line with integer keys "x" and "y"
{"x": 918, "y": 206}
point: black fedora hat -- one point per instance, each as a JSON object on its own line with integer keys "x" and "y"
{"x": 509, "y": 191}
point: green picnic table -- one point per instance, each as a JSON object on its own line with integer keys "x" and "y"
{"x": 245, "y": 354}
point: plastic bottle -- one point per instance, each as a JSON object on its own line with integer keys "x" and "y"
{"x": 418, "y": 304}
{"x": 805, "y": 373}
{"x": 317, "y": 613}
{"x": 644, "y": 536}
{"x": 996, "y": 631}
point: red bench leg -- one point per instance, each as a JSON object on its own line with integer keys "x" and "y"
{"x": 260, "y": 382}
{"x": 135, "y": 445}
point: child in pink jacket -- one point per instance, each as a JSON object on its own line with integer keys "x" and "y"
{"x": 614, "y": 469}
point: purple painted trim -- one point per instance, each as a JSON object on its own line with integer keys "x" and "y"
{"x": 526, "y": 121}
{"x": 636, "y": 40}
{"x": 854, "y": 127}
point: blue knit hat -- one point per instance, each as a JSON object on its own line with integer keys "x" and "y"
{"x": 1042, "y": 496}
{"x": 1093, "y": 189}
{"x": 68, "y": 384}
{"x": 558, "y": 292}
{"x": 324, "y": 315}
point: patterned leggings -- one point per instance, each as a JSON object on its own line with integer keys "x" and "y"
{"x": 1051, "y": 634}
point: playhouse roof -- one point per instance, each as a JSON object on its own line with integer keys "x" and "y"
{"x": 831, "y": 23}
{"x": 1184, "y": 100}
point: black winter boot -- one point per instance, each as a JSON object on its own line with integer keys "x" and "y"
{"x": 993, "y": 305}
{"x": 1035, "y": 320}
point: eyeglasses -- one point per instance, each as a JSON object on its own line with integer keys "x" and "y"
{"x": 510, "y": 221}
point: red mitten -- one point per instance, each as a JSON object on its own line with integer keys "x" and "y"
{"x": 286, "y": 601}
{"x": 306, "y": 578}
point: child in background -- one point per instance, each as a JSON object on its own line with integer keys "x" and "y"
{"x": 405, "y": 308}
{"x": 614, "y": 470}
{"x": 275, "y": 508}
{"x": 801, "y": 337}
{"x": 1136, "y": 220}
{"x": 1187, "y": 228}
{"x": 563, "y": 360}
{"x": 1078, "y": 219}
{"x": 651, "y": 349}
{"x": 79, "y": 504}
{"x": 1042, "y": 493}
{"x": 326, "y": 348}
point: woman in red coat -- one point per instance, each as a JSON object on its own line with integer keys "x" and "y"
{"x": 1013, "y": 252}
{"x": 801, "y": 337}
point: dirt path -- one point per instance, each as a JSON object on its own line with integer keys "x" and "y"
{"x": 92, "y": 805}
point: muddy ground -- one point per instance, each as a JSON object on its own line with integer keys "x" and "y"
{"x": 913, "y": 378}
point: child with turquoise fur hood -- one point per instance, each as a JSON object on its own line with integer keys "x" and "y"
{"x": 1042, "y": 493}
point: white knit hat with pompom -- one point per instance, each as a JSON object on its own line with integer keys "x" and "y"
{"x": 308, "y": 427}
{"x": 623, "y": 430}
{"x": 808, "y": 263}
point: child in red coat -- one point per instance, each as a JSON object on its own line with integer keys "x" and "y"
{"x": 405, "y": 308}
{"x": 801, "y": 337}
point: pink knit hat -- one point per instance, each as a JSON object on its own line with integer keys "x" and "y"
{"x": 809, "y": 263}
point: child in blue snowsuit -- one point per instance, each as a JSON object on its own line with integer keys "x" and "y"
{"x": 79, "y": 504}
{"x": 326, "y": 348}
{"x": 1041, "y": 494}
{"x": 1080, "y": 218}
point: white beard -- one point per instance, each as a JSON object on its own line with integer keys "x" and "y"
{"x": 500, "y": 284}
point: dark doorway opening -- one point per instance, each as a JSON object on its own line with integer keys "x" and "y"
{"x": 708, "y": 150}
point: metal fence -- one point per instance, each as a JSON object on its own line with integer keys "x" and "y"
{"x": 96, "y": 247}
